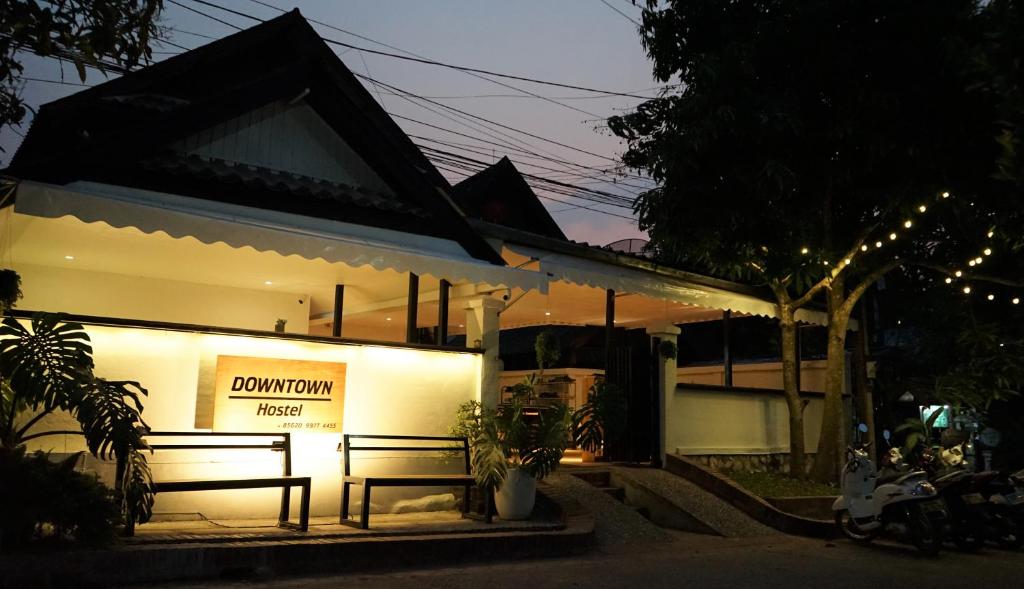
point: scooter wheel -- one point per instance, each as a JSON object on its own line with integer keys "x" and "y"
{"x": 1009, "y": 531}
{"x": 968, "y": 536}
{"x": 851, "y": 530}
{"x": 925, "y": 534}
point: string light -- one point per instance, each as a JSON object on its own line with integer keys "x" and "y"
{"x": 1016, "y": 300}
{"x": 991, "y": 297}
{"x": 988, "y": 251}
{"x": 892, "y": 236}
{"x": 958, "y": 273}
{"x": 878, "y": 244}
{"x": 949, "y": 280}
{"x": 922, "y": 208}
{"x": 990, "y": 234}
{"x": 972, "y": 263}
{"x": 967, "y": 290}
{"x": 863, "y": 248}
{"x": 804, "y": 251}
{"x": 945, "y": 195}
{"x": 908, "y": 223}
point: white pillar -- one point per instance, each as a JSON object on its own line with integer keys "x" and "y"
{"x": 482, "y": 326}
{"x": 666, "y": 396}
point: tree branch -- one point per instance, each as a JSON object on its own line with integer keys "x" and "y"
{"x": 980, "y": 277}
{"x": 872, "y": 277}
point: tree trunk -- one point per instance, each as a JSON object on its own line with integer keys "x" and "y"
{"x": 797, "y": 460}
{"x": 833, "y": 424}
{"x": 866, "y": 404}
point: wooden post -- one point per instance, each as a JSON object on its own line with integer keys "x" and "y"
{"x": 414, "y": 301}
{"x": 442, "y": 312}
{"x": 339, "y": 304}
{"x": 609, "y": 333}
{"x": 726, "y": 352}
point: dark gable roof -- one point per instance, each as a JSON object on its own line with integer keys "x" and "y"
{"x": 119, "y": 132}
{"x": 499, "y": 194}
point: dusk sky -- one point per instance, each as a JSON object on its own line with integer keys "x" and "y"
{"x": 581, "y": 42}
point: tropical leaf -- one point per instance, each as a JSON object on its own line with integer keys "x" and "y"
{"x": 48, "y": 365}
{"x": 111, "y": 417}
{"x": 137, "y": 488}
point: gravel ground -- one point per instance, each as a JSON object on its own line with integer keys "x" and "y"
{"x": 614, "y": 522}
{"x": 726, "y": 519}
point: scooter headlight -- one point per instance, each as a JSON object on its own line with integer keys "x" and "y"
{"x": 924, "y": 488}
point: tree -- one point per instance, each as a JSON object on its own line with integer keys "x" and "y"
{"x": 107, "y": 35}
{"x": 813, "y": 146}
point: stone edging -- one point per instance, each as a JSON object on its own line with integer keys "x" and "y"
{"x": 750, "y": 504}
{"x": 126, "y": 564}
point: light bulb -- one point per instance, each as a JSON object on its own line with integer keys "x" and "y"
{"x": 804, "y": 251}
{"x": 945, "y": 195}
{"x": 922, "y": 208}
{"x": 892, "y": 236}
{"x": 846, "y": 261}
{"x": 1016, "y": 300}
{"x": 908, "y": 224}
{"x": 878, "y": 244}
{"x": 972, "y": 263}
{"x": 825, "y": 262}
{"x": 958, "y": 274}
{"x": 979, "y": 260}
{"x": 988, "y": 251}
{"x": 949, "y": 280}
{"x": 967, "y": 290}
{"x": 990, "y": 234}
{"x": 991, "y": 297}
{"x": 863, "y": 248}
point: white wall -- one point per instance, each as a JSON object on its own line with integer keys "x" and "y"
{"x": 758, "y": 375}
{"x": 700, "y": 421}
{"x": 388, "y": 391}
{"x": 67, "y": 290}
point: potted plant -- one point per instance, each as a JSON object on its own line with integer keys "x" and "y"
{"x": 514, "y": 447}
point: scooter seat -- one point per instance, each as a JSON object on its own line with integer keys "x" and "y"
{"x": 917, "y": 474}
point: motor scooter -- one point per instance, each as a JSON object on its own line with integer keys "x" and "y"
{"x": 903, "y": 505}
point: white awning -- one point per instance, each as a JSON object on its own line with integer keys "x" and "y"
{"x": 623, "y": 279}
{"x": 286, "y": 234}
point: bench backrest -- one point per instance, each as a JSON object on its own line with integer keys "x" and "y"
{"x": 444, "y": 444}
{"x": 283, "y": 443}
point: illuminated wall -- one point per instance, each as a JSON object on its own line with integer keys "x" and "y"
{"x": 759, "y": 375}
{"x": 700, "y": 421}
{"x": 388, "y": 391}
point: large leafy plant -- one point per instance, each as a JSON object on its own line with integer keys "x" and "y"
{"x": 49, "y": 369}
{"x": 514, "y": 436}
{"x": 600, "y": 422}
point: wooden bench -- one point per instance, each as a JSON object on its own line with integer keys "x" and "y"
{"x": 444, "y": 444}
{"x": 286, "y": 481}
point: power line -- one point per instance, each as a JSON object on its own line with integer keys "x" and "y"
{"x": 622, "y": 14}
{"x": 425, "y": 61}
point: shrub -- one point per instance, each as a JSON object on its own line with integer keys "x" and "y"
{"x": 42, "y": 500}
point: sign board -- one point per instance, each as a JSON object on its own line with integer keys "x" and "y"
{"x": 268, "y": 395}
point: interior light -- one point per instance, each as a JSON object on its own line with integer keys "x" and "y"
{"x": 547, "y": 313}
{"x": 267, "y": 282}
{"x": 387, "y": 319}
{"x": 69, "y": 257}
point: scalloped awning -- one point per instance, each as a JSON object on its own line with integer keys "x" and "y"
{"x": 266, "y": 230}
{"x": 622, "y": 279}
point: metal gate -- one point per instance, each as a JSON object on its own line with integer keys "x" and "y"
{"x": 632, "y": 368}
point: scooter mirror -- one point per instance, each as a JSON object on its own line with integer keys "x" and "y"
{"x": 886, "y": 434}
{"x": 863, "y": 428}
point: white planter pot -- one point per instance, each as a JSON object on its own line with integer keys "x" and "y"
{"x": 514, "y": 500}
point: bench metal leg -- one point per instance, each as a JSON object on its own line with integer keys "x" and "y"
{"x": 364, "y": 520}
{"x": 286, "y": 502}
{"x": 304, "y": 507}
{"x": 345, "y": 490}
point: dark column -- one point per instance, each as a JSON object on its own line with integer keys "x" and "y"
{"x": 442, "y": 311}
{"x": 414, "y": 301}
{"x": 609, "y": 332}
{"x": 339, "y": 304}
{"x": 726, "y": 352}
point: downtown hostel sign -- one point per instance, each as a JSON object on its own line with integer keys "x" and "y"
{"x": 270, "y": 395}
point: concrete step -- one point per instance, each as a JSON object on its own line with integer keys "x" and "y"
{"x": 617, "y": 493}
{"x": 598, "y": 478}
